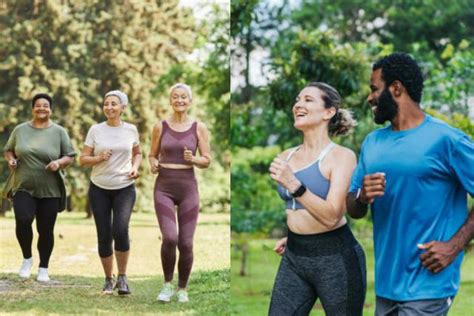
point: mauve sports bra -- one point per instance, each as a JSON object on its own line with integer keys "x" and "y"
{"x": 172, "y": 144}
{"x": 310, "y": 176}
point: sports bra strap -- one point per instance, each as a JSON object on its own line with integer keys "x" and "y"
{"x": 321, "y": 156}
{"x": 292, "y": 153}
{"x": 325, "y": 151}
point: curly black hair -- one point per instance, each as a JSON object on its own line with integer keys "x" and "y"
{"x": 42, "y": 96}
{"x": 402, "y": 67}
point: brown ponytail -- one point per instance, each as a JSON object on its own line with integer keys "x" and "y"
{"x": 342, "y": 122}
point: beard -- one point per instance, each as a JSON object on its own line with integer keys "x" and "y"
{"x": 386, "y": 108}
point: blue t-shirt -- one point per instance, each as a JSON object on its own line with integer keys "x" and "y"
{"x": 429, "y": 170}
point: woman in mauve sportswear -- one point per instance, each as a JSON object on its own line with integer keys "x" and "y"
{"x": 173, "y": 157}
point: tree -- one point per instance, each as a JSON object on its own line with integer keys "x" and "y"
{"x": 77, "y": 51}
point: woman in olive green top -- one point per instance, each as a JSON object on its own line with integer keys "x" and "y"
{"x": 35, "y": 152}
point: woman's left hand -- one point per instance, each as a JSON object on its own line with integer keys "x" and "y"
{"x": 53, "y": 166}
{"x": 188, "y": 155}
{"x": 281, "y": 172}
{"x": 133, "y": 173}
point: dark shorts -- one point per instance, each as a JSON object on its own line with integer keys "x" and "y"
{"x": 439, "y": 307}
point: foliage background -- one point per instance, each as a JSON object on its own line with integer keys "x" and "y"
{"x": 79, "y": 50}
{"x": 279, "y": 46}
{"x": 334, "y": 42}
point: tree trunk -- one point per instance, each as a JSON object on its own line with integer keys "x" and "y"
{"x": 246, "y": 91}
{"x": 243, "y": 259}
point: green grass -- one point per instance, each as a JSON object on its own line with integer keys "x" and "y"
{"x": 251, "y": 294}
{"x": 77, "y": 276}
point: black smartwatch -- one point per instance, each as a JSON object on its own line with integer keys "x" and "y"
{"x": 299, "y": 192}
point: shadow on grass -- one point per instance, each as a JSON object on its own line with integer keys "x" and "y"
{"x": 209, "y": 294}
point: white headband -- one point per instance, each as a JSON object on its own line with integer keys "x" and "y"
{"x": 183, "y": 86}
{"x": 119, "y": 94}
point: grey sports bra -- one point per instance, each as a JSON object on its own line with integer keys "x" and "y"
{"x": 310, "y": 176}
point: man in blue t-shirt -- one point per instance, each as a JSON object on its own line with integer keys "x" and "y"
{"x": 415, "y": 173}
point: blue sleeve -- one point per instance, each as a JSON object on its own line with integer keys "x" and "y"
{"x": 462, "y": 163}
{"x": 359, "y": 172}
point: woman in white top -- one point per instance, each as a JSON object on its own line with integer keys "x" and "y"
{"x": 112, "y": 149}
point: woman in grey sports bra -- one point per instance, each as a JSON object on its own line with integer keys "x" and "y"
{"x": 321, "y": 258}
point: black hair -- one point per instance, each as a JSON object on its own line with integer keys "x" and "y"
{"x": 42, "y": 96}
{"x": 402, "y": 67}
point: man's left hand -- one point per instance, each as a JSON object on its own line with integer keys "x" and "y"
{"x": 438, "y": 255}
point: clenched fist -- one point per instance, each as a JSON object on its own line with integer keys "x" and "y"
{"x": 373, "y": 186}
{"x": 105, "y": 155}
{"x": 188, "y": 155}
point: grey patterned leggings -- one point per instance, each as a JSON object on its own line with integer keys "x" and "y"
{"x": 329, "y": 266}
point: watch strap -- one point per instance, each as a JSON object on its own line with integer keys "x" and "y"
{"x": 299, "y": 192}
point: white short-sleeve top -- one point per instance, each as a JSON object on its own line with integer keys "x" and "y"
{"x": 113, "y": 173}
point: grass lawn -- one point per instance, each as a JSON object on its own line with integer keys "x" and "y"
{"x": 77, "y": 277}
{"x": 251, "y": 294}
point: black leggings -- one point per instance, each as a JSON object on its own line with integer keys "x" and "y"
{"x": 46, "y": 210}
{"x": 112, "y": 210}
{"x": 329, "y": 266}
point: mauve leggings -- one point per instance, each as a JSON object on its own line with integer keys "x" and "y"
{"x": 177, "y": 187}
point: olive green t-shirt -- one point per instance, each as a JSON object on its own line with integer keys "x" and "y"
{"x": 34, "y": 148}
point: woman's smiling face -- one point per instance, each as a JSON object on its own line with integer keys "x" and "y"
{"x": 180, "y": 100}
{"x": 112, "y": 107}
{"x": 309, "y": 109}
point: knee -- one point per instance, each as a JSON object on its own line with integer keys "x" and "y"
{"x": 24, "y": 220}
{"x": 105, "y": 249}
{"x": 185, "y": 246}
{"x": 170, "y": 241}
{"x": 105, "y": 245}
{"x": 121, "y": 240}
{"x": 45, "y": 230}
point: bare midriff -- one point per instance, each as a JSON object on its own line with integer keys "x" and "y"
{"x": 300, "y": 221}
{"x": 175, "y": 166}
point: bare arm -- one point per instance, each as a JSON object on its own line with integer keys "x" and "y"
{"x": 439, "y": 255}
{"x": 155, "y": 148}
{"x": 465, "y": 234}
{"x": 373, "y": 186}
{"x": 60, "y": 163}
{"x": 88, "y": 159}
{"x": 355, "y": 208}
{"x": 204, "y": 148}
{"x": 136, "y": 161}
{"x": 327, "y": 211}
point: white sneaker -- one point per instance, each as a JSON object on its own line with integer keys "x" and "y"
{"x": 182, "y": 296}
{"x": 25, "y": 270}
{"x": 42, "y": 275}
{"x": 166, "y": 293}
